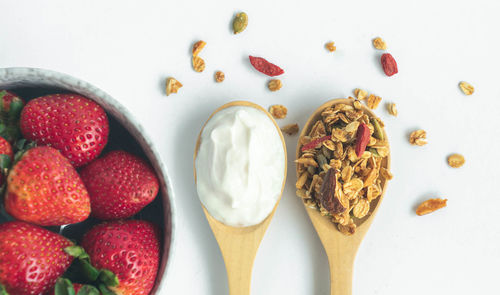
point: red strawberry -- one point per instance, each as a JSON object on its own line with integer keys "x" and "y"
{"x": 6, "y": 156}
{"x": 43, "y": 188}
{"x": 119, "y": 185}
{"x": 130, "y": 249}
{"x": 6, "y": 148}
{"x": 73, "y": 124}
{"x": 10, "y": 109}
{"x": 31, "y": 258}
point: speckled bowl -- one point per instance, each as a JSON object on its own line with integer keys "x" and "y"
{"x": 125, "y": 133}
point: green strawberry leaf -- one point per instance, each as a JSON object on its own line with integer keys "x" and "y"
{"x": 90, "y": 273}
{"x": 108, "y": 278}
{"x": 2, "y": 94}
{"x": 2, "y": 128}
{"x": 20, "y": 143}
{"x": 76, "y": 251}
{"x": 105, "y": 291}
{"x": 88, "y": 290}
{"x": 64, "y": 287}
{"x": 15, "y": 109}
{"x": 4, "y": 162}
{"x": 2, "y": 288}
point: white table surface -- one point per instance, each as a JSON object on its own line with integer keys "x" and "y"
{"x": 128, "y": 48}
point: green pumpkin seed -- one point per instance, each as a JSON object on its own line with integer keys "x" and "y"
{"x": 240, "y": 22}
{"x": 378, "y": 132}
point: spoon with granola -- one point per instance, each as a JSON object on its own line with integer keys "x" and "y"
{"x": 342, "y": 169}
{"x": 240, "y": 173}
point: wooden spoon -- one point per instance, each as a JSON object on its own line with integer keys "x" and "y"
{"x": 341, "y": 249}
{"x": 239, "y": 244}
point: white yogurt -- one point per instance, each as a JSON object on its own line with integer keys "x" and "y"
{"x": 240, "y": 166}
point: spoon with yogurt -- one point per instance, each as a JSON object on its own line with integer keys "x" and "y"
{"x": 341, "y": 249}
{"x": 240, "y": 173}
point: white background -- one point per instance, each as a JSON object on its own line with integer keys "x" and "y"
{"x": 128, "y": 48}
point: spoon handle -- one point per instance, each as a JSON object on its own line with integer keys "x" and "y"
{"x": 239, "y": 258}
{"x": 341, "y": 266}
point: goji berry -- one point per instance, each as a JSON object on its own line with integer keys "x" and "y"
{"x": 315, "y": 142}
{"x": 265, "y": 67}
{"x": 362, "y": 139}
{"x": 389, "y": 64}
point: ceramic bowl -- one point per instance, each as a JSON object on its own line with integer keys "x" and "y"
{"x": 125, "y": 133}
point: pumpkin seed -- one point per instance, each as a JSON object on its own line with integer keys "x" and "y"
{"x": 240, "y": 22}
{"x": 378, "y": 133}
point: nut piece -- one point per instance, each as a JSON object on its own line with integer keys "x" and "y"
{"x": 278, "y": 111}
{"x": 378, "y": 43}
{"x": 467, "y": 89}
{"x": 219, "y": 76}
{"x": 430, "y": 205}
{"x": 290, "y": 129}
{"x": 240, "y": 22}
{"x": 418, "y": 137}
{"x": 198, "y": 46}
{"x": 348, "y": 229}
{"x": 391, "y": 108}
{"x": 172, "y": 86}
{"x": 372, "y": 101}
{"x": 360, "y": 93}
{"x": 331, "y": 46}
{"x": 198, "y": 64}
{"x": 274, "y": 84}
{"x": 456, "y": 160}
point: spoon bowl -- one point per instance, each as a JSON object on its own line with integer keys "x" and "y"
{"x": 239, "y": 245}
{"x": 341, "y": 249}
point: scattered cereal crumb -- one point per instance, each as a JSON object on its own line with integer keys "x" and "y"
{"x": 219, "y": 76}
{"x": 360, "y": 93}
{"x": 430, "y": 205}
{"x": 418, "y": 137}
{"x": 274, "y": 85}
{"x": 198, "y": 46}
{"x": 372, "y": 101}
{"x": 467, "y": 89}
{"x": 278, "y": 111}
{"x": 456, "y": 160}
{"x": 330, "y": 46}
{"x": 198, "y": 64}
{"x": 290, "y": 129}
{"x": 378, "y": 43}
{"x": 172, "y": 86}
{"x": 391, "y": 108}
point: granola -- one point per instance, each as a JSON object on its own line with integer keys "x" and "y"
{"x": 466, "y": 88}
{"x": 198, "y": 63}
{"x": 430, "y": 205}
{"x": 290, "y": 129}
{"x": 391, "y": 108}
{"x": 278, "y": 111}
{"x": 372, "y": 101}
{"x": 333, "y": 178}
{"x": 219, "y": 76}
{"x": 172, "y": 86}
{"x": 274, "y": 85}
{"x": 456, "y": 160}
{"x": 418, "y": 137}
{"x": 379, "y": 44}
{"x": 330, "y": 46}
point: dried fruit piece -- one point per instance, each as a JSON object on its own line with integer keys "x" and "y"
{"x": 315, "y": 142}
{"x": 391, "y": 108}
{"x": 278, "y": 111}
{"x": 360, "y": 93}
{"x": 328, "y": 198}
{"x": 198, "y": 46}
{"x": 240, "y": 22}
{"x": 348, "y": 229}
{"x": 330, "y": 46}
{"x": 418, "y": 137}
{"x": 430, "y": 205}
{"x": 290, "y": 129}
{"x": 274, "y": 84}
{"x": 265, "y": 67}
{"x": 378, "y": 43}
{"x": 362, "y": 139}
{"x": 172, "y": 86}
{"x": 456, "y": 160}
{"x": 372, "y": 101}
{"x": 467, "y": 89}
{"x": 389, "y": 64}
{"x": 198, "y": 64}
{"x": 361, "y": 208}
{"x": 219, "y": 76}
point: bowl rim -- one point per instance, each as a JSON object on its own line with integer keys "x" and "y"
{"x": 23, "y": 74}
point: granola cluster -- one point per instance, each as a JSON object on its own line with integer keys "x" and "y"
{"x": 331, "y": 176}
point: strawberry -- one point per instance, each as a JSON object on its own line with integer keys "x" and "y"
{"x": 119, "y": 185}
{"x": 43, "y": 188}
{"x": 73, "y": 124}
{"x": 10, "y": 109}
{"x": 130, "y": 249}
{"x": 6, "y": 156}
{"x": 31, "y": 258}
{"x": 6, "y": 148}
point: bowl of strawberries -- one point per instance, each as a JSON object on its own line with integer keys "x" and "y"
{"x": 85, "y": 204}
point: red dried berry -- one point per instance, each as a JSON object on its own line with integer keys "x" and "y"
{"x": 389, "y": 64}
{"x": 362, "y": 139}
{"x": 265, "y": 67}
